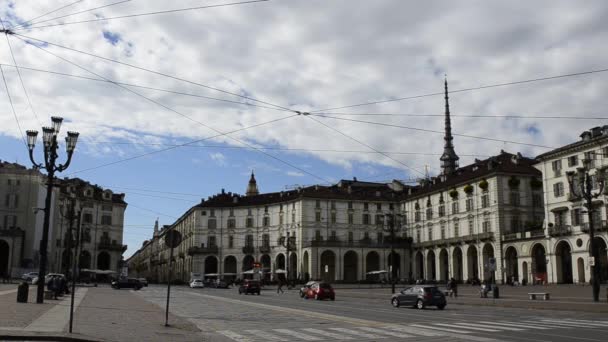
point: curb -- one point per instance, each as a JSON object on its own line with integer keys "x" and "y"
{"x": 44, "y": 338}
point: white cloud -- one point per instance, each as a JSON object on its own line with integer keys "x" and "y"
{"x": 347, "y": 52}
{"x": 294, "y": 174}
{"x": 218, "y": 158}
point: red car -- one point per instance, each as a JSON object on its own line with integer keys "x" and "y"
{"x": 320, "y": 291}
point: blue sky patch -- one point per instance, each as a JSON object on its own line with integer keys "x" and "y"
{"x": 112, "y": 38}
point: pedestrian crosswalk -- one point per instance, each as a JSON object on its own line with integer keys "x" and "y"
{"x": 412, "y": 331}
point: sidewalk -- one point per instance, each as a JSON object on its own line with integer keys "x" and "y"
{"x": 563, "y": 297}
{"x": 101, "y": 314}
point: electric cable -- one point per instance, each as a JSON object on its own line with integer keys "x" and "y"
{"x": 45, "y": 14}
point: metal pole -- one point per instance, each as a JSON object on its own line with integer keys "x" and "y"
{"x": 50, "y": 166}
{"x": 595, "y": 280}
{"x": 75, "y": 264}
{"x": 169, "y": 282}
{"x": 393, "y": 256}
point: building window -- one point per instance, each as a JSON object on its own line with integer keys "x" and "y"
{"x": 515, "y": 224}
{"x": 379, "y": 237}
{"x": 556, "y": 166}
{"x": 365, "y": 206}
{"x": 605, "y": 151}
{"x": 558, "y": 189}
{"x": 230, "y": 241}
{"x": 441, "y": 210}
{"x": 10, "y": 221}
{"x": 487, "y": 226}
{"x": 293, "y": 217}
{"x": 318, "y": 235}
{"x": 106, "y": 219}
{"x": 281, "y": 219}
{"x": 442, "y": 232}
{"x": 333, "y": 217}
{"x": 537, "y": 200}
{"x": 456, "y": 228}
{"x": 211, "y": 241}
{"x": 350, "y": 205}
{"x": 471, "y": 226}
{"x": 469, "y": 204}
{"x": 430, "y": 233}
{"x": 106, "y": 207}
{"x": 417, "y": 216}
{"x": 318, "y": 216}
{"x": 429, "y": 213}
{"x": 485, "y": 200}
{"x": 333, "y": 236}
{"x": 351, "y": 218}
{"x": 514, "y": 198}
{"x": 378, "y": 206}
{"x": 365, "y": 218}
{"x": 249, "y": 240}
{"x": 212, "y": 223}
{"x": 379, "y": 220}
{"x": 418, "y": 235}
{"x": 455, "y": 209}
{"x": 560, "y": 218}
{"x": 573, "y": 160}
{"x": 231, "y": 212}
{"x": 266, "y": 240}
{"x": 590, "y": 156}
{"x": 366, "y": 236}
{"x": 350, "y": 237}
{"x": 333, "y": 205}
{"x": 87, "y": 218}
{"x": 576, "y": 217}
{"x": 266, "y": 209}
{"x": 266, "y": 221}
{"x": 317, "y": 204}
{"x": 249, "y": 222}
{"x": 231, "y": 223}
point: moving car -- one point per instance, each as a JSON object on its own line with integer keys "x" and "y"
{"x": 420, "y": 297}
{"x": 29, "y": 276}
{"x": 196, "y": 283}
{"x": 320, "y": 291}
{"x": 143, "y": 281}
{"x": 126, "y": 283}
{"x": 305, "y": 288}
{"x": 250, "y": 286}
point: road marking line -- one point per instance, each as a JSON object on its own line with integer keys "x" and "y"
{"x": 234, "y": 336}
{"x": 317, "y": 315}
{"x": 456, "y": 325}
{"x": 583, "y": 320}
{"x": 327, "y": 334}
{"x": 297, "y": 334}
{"x": 266, "y": 335}
{"x": 441, "y": 329}
{"x": 357, "y": 333}
{"x": 586, "y": 323}
{"x": 390, "y": 333}
{"x": 517, "y": 324}
{"x": 562, "y": 323}
{"x": 490, "y": 326}
{"x": 412, "y": 330}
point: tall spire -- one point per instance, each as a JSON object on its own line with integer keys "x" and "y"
{"x": 156, "y": 227}
{"x": 252, "y": 187}
{"x": 449, "y": 159}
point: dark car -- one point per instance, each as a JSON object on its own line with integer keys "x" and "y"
{"x": 126, "y": 283}
{"x": 250, "y": 286}
{"x": 320, "y": 291}
{"x": 420, "y": 297}
{"x": 220, "y": 284}
{"x": 306, "y": 287}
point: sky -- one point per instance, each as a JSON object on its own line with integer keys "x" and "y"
{"x": 173, "y": 107}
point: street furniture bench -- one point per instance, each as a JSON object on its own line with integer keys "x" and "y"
{"x": 533, "y": 295}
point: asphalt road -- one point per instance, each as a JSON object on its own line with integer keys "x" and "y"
{"x": 224, "y": 315}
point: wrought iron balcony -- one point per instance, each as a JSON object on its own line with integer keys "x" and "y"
{"x": 203, "y": 250}
{"x": 265, "y": 249}
{"x": 560, "y": 230}
{"x": 597, "y": 226}
{"x": 248, "y": 250}
{"x": 363, "y": 243}
{"x": 111, "y": 246}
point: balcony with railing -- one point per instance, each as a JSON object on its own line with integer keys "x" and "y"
{"x": 248, "y": 250}
{"x": 561, "y": 230}
{"x": 111, "y": 246}
{"x": 600, "y": 226}
{"x": 363, "y": 243}
{"x": 265, "y": 249}
{"x": 213, "y": 249}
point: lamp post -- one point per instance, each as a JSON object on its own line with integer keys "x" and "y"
{"x": 581, "y": 188}
{"x": 390, "y": 227}
{"x": 49, "y": 138}
{"x": 287, "y": 243}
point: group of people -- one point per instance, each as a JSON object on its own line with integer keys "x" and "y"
{"x": 452, "y": 287}
{"x": 58, "y": 285}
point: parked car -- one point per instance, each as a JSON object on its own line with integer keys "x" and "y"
{"x": 320, "y": 291}
{"x": 306, "y": 287}
{"x": 420, "y": 297}
{"x": 143, "y": 281}
{"x": 47, "y": 278}
{"x": 126, "y": 283}
{"x": 250, "y": 286}
{"x": 196, "y": 283}
{"x": 29, "y": 276}
{"x": 220, "y": 284}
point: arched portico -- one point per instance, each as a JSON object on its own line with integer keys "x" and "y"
{"x": 511, "y": 269}
{"x": 444, "y": 265}
{"x": 563, "y": 262}
{"x": 473, "y": 262}
{"x": 4, "y": 257}
{"x": 431, "y": 269}
{"x": 539, "y": 264}
{"x": 457, "y": 264}
{"x": 350, "y": 266}
{"x": 211, "y": 265}
{"x": 328, "y": 266}
{"x": 394, "y": 271}
{"x": 104, "y": 261}
{"x": 488, "y": 254}
{"x": 419, "y": 265}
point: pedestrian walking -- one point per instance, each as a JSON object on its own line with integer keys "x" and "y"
{"x": 56, "y": 286}
{"x": 454, "y": 287}
{"x": 280, "y": 288}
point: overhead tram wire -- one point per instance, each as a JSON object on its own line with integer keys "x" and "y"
{"x": 69, "y": 15}
{"x": 27, "y": 96}
{"x": 362, "y": 143}
{"x": 56, "y": 73}
{"x": 553, "y": 117}
{"x": 154, "y": 72}
{"x": 227, "y": 134}
{"x": 45, "y": 14}
{"x": 147, "y": 14}
{"x": 467, "y": 89}
{"x": 433, "y": 131}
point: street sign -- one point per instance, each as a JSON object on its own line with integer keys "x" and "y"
{"x": 173, "y": 238}
{"x": 326, "y": 268}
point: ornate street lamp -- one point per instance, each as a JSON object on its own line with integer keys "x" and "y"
{"x": 394, "y": 224}
{"x": 581, "y": 188}
{"x": 49, "y": 139}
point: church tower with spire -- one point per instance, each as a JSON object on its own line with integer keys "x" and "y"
{"x": 449, "y": 159}
{"x": 252, "y": 187}
{"x": 156, "y": 227}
